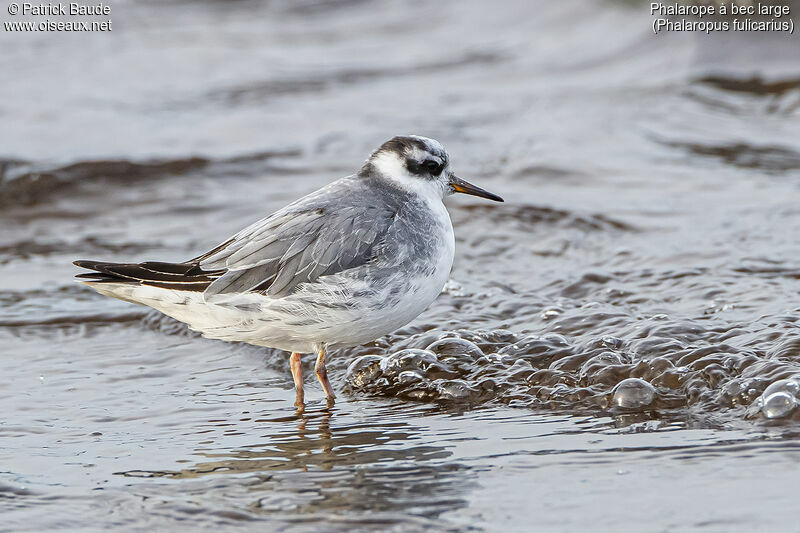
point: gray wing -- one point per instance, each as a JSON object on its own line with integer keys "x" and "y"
{"x": 297, "y": 245}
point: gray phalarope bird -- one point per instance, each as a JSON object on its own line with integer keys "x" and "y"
{"x": 340, "y": 267}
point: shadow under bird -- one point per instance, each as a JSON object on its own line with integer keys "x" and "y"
{"x": 343, "y": 266}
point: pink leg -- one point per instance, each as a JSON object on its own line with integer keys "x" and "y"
{"x": 322, "y": 375}
{"x": 297, "y": 374}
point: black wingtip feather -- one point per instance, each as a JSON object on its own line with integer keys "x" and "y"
{"x": 85, "y": 263}
{"x": 178, "y": 276}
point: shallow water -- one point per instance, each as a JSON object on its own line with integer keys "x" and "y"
{"x": 599, "y": 359}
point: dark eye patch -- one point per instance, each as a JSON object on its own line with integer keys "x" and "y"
{"x": 429, "y": 166}
{"x": 434, "y": 167}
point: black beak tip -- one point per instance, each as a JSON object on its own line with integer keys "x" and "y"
{"x": 459, "y": 185}
{"x": 490, "y": 196}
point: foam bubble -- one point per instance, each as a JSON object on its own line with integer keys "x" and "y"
{"x": 789, "y": 386}
{"x": 364, "y": 370}
{"x": 454, "y": 389}
{"x": 779, "y": 398}
{"x": 778, "y": 404}
{"x": 633, "y": 393}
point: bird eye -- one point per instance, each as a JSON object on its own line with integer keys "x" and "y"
{"x": 432, "y": 166}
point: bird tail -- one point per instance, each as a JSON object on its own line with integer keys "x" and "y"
{"x": 176, "y": 276}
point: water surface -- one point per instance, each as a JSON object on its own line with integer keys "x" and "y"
{"x": 599, "y": 358}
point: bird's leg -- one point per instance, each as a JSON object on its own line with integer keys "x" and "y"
{"x": 322, "y": 374}
{"x": 297, "y": 374}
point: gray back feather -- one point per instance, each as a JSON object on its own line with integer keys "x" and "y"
{"x": 336, "y": 228}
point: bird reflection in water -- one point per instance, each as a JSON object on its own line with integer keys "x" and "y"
{"x": 325, "y": 435}
{"x": 305, "y": 462}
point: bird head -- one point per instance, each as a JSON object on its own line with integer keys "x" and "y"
{"x": 421, "y": 165}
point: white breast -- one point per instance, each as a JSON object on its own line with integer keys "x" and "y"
{"x": 424, "y": 289}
